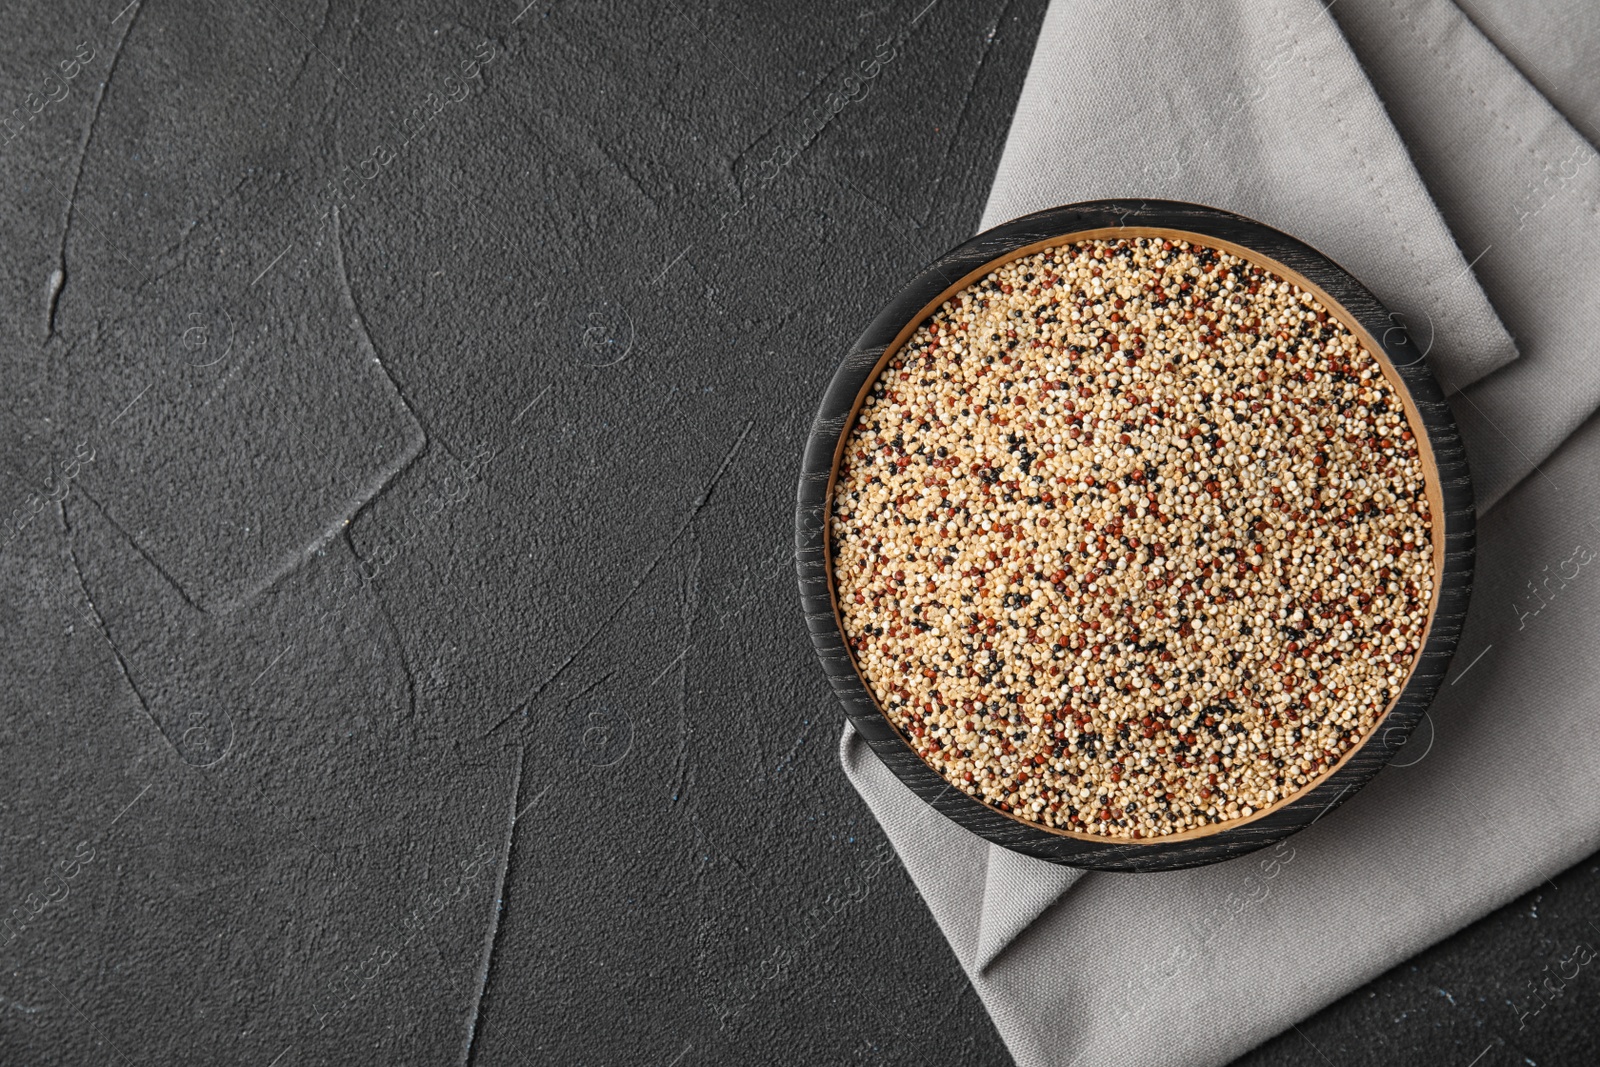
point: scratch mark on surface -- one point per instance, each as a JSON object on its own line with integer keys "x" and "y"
{"x": 399, "y": 642}
{"x": 1313, "y": 1044}
{"x": 273, "y": 664}
{"x": 111, "y": 899}
{"x": 816, "y": 84}
{"x": 77, "y": 175}
{"x": 674, "y": 263}
{"x": 586, "y": 143}
{"x": 131, "y": 803}
{"x": 889, "y": 211}
{"x": 538, "y": 797}
{"x": 105, "y": 631}
{"x": 274, "y": 263}
{"x": 58, "y": 277}
{"x": 516, "y": 418}
{"x": 788, "y": 757}
{"x": 360, "y": 322}
{"x": 966, "y": 102}
{"x": 644, "y": 576}
{"x": 203, "y": 218}
{"x": 756, "y": 735}
{"x": 691, "y": 612}
{"x": 305, "y": 57}
{"x": 438, "y": 955}
{"x": 705, "y": 842}
{"x": 313, "y": 44}
{"x": 663, "y": 673}
{"x": 591, "y": 687}
{"x": 492, "y": 936}
{"x": 128, "y": 406}
{"x": 90, "y": 1021}
{"x": 364, "y": 496}
{"x": 579, "y": 695}
{"x": 105, "y": 321}
{"x": 147, "y": 557}
{"x": 627, "y": 175}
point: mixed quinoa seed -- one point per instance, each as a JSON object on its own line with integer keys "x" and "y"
{"x": 1131, "y": 538}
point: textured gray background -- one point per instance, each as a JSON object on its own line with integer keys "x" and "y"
{"x": 414, "y": 672}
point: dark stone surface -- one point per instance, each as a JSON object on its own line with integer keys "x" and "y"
{"x": 414, "y": 672}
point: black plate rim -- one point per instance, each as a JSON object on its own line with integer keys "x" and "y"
{"x": 859, "y": 365}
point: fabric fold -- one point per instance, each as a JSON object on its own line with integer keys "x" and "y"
{"x": 1016, "y": 890}
{"x": 948, "y": 863}
{"x": 982, "y": 895}
{"x": 1275, "y": 118}
{"x": 1552, "y": 43}
{"x": 1261, "y": 110}
{"x": 1521, "y": 188}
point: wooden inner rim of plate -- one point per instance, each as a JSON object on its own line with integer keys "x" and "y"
{"x": 1419, "y": 433}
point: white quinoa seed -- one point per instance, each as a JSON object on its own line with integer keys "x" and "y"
{"x": 1131, "y": 537}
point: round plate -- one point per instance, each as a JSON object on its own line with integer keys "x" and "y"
{"x": 1449, "y": 491}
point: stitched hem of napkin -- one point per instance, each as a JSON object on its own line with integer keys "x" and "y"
{"x": 1249, "y": 151}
